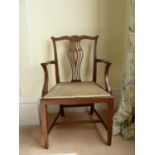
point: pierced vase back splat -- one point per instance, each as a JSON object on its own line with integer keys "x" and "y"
{"x": 75, "y": 55}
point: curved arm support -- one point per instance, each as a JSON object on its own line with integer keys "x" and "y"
{"x": 106, "y": 77}
{"x": 45, "y": 86}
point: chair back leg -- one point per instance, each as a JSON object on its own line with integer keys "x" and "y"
{"x": 91, "y": 109}
{"x": 62, "y": 113}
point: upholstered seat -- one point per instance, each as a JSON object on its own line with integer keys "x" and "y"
{"x": 75, "y": 90}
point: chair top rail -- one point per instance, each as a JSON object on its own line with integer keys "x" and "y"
{"x": 75, "y": 38}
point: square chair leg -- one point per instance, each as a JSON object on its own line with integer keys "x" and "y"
{"x": 44, "y": 125}
{"x": 110, "y": 112}
{"x": 91, "y": 109}
{"x": 62, "y": 110}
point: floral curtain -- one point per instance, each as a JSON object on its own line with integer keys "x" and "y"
{"x": 124, "y": 116}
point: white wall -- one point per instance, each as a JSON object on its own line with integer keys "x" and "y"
{"x": 40, "y": 19}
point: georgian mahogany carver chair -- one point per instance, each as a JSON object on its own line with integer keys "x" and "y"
{"x": 77, "y": 92}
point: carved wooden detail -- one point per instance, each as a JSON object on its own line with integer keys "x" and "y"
{"x": 75, "y": 55}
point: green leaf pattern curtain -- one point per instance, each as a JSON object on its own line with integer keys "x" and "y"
{"x": 123, "y": 122}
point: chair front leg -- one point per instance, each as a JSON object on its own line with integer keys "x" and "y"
{"x": 110, "y": 112}
{"x": 44, "y": 124}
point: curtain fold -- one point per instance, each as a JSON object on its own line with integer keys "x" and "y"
{"x": 123, "y": 121}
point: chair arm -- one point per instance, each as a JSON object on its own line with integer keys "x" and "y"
{"x": 48, "y": 62}
{"x": 106, "y": 77}
{"x": 45, "y": 86}
{"x": 103, "y": 60}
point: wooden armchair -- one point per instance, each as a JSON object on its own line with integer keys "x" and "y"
{"x": 76, "y": 92}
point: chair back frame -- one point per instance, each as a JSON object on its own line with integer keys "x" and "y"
{"x": 75, "y": 55}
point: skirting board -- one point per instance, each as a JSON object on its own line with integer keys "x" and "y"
{"x": 29, "y": 110}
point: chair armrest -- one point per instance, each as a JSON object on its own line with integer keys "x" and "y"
{"x": 103, "y": 60}
{"x": 45, "y": 86}
{"x": 48, "y": 62}
{"x": 106, "y": 77}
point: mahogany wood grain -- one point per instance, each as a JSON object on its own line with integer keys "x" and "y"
{"x": 43, "y": 113}
{"x": 110, "y": 113}
{"x": 76, "y": 101}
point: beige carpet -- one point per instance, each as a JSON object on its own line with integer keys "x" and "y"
{"x": 81, "y": 139}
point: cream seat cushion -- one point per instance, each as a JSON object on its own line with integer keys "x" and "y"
{"x": 75, "y": 90}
